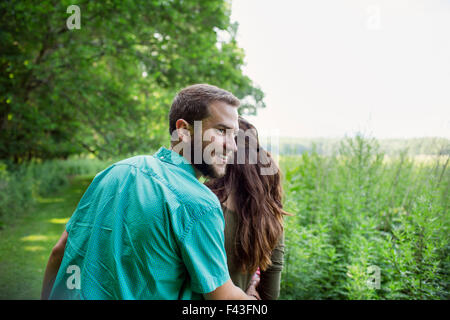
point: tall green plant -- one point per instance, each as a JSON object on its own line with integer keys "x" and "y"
{"x": 365, "y": 227}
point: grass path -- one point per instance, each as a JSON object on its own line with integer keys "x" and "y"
{"x": 26, "y": 242}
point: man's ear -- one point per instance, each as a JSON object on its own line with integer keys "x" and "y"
{"x": 183, "y": 130}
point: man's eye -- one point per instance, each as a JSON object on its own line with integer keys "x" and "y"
{"x": 222, "y": 131}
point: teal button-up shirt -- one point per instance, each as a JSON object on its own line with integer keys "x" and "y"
{"x": 146, "y": 228}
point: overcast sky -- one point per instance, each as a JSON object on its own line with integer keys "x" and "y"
{"x": 332, "y": 67}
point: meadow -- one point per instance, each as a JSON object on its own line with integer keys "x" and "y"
{"x": 364, "y": 225}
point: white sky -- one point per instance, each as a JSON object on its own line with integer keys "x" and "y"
{"x": 332, "y": 67}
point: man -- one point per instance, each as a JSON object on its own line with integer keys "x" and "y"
{"x": 146, "y": 228}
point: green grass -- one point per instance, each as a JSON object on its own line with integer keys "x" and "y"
{"x": 27, "y": 240}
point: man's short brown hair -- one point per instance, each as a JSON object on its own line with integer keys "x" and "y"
{"x": 192, "y": 103}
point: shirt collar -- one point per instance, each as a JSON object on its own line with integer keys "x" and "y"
{"x": 174, "y": 158}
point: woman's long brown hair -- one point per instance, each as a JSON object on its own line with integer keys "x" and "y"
{"x": 257, "y": 202}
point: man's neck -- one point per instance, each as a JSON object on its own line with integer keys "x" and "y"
{"x": 198, "y": 174}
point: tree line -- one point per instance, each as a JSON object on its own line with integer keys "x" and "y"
{"x": 106, "y": 88}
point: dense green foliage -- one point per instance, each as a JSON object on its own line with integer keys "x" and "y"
{"x": 354, "y": 210}
{"x": 27, "y": 240}
{"x": 106, "y": 88}
{"x": 20, "y": 185}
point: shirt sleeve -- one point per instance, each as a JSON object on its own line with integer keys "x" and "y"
{"x": 269, "y": 286}
{"x": 203, "y": 251}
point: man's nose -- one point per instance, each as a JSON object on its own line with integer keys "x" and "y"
{"x": 231, "y": 144}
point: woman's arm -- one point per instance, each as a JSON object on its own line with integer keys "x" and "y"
{"x": 54, "y": 262}
{"x": 269, "y": 286}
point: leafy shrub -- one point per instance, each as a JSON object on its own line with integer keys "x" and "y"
{"x": 20, "y": 184}
{"x": 15, "y": 192}
{"x": 357, "y": 214}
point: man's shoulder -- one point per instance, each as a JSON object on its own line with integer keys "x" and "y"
{"x": 140, "y": 161}
{"x": 185, "y": 187}
{"x": 148, "y": 165}
{"x": 124, "y": 169}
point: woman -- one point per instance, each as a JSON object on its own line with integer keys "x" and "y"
{"x": 253, "y": 213}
